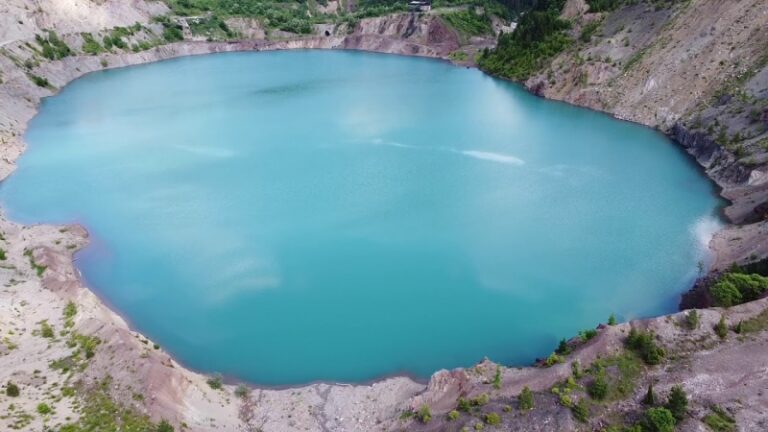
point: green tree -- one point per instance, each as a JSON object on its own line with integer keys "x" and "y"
{"x": 658, "y": 420}
{"x": 612, "y": 320}
{"x": 598, "y": 390}
{"x": 526, "y": 399}
{"x": 692, "y": 319}
{"x": 563, "y": 348}
{"x": 650, "y": 396}
{"x": 677, "y": 403}
{"x": 721, "y": 328}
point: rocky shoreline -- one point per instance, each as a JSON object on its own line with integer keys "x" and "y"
{"x": 169, "y": 391}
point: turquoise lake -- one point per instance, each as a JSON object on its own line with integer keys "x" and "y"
{"x": 288, "y": 217}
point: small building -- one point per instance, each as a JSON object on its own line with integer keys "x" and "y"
{"x": 420, "y": 5}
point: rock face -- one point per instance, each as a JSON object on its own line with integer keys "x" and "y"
{"x": 22, "y": 19}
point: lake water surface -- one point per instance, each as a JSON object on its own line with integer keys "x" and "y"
{"x": 287, "y": 217}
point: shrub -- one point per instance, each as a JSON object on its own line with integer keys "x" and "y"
{"x": 552, "y": 360}
{"x": 603, "y": 5}
{"x": 479, "y": 426}
{"x": 215, "y": 382}
{"x": 612, "y": 320}
{"x": 599, "y": 388}
{"x": 242, "y": 391}
{"x": 492, "y": 419}
{"x": 581, "y": 411}
{"x": 677, "y": 403}
{"x": 525, "y": 399}
{"x": 563, "y": 348}
{"x": 164, "y": 426}
{"x": 739, "y": 327}
{"x": 588, "y": 30}
{"x": 480, "y": 400}
{"x": 43, "y": 408}
{"x": 645, "y": 345}
{"x": 12, "y": 389}
{"x": 453, "y": 415}
{"x": 424, "y": 415}
{"x": 40, "y": 82}
{"x": 53, "y": 47}
{"x": 576, "y": 369}
{"x": 586, "y": 335}
{"x": 734, "y": 288}
{"x": 692, "y": 319}
{"x": 70, "y": 310}
{"x": 721, "y": 328}
{"x": 46, "y": 330}
{"x": 90, "y": 45}
{"x": 464, "y": 405}
{"x": 658, "y": 420}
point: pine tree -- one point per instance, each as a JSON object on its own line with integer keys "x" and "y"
{"x": 721, "y": 328}
{"x": 650, "y": 396}
{"x": 599, "y": 388}
{"x": 677, "y": 403}
{"x": 526, "y": 399}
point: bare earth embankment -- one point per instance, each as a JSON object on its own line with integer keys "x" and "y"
{"x": 65, "y": 349}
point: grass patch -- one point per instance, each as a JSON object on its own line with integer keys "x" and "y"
{"x": 458, "y": 56}
{"x": 468, "y": 22}
{"x": 588, "y": 31}
{"x": 39, "y": 269}
{"x": 628, "y": 368}
{"x": 719, "y": 420}
{"x": 756, "y": 323}
{"x": 100, "y": 412}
